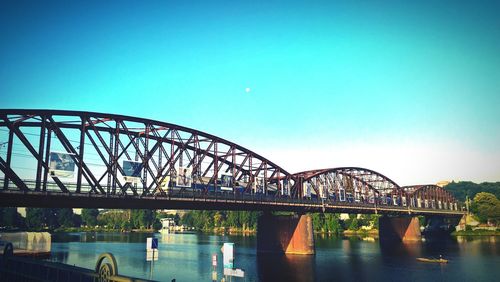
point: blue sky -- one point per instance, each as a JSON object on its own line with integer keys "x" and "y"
{"x": 409, "y": 89}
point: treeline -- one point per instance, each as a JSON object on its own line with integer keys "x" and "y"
{"x": 38, "y": 218}
{"x": 61, "y": 219}
{"x": 466, "y": 188}
{"x": 484, "y": 203}
{"x": 122, "y": 219}
{"x": 210, "y": 220}
{"x": 486, "y": 208}
{"x": 10, "y": 218}
{"x": 247, "y": 221}
{"x": 332, "y": 223}
{"x": 45, "y": 218}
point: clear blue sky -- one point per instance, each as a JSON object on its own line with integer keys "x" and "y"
{"x": 409, "y": 89}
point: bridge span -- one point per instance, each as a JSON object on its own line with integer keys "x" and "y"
{"x": 197, "y": 200}
{"x": 53, "y": 158}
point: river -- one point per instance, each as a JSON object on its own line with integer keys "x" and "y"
{"x": 188, "y": 257}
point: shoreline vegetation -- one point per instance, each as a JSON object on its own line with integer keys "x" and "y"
{"x": 477, "y": 232}
{"x": 246, "y": 232}
{"x": 484, "y": 219}
{"x": 253, "y": 232}
{"x": 230, "y": 231}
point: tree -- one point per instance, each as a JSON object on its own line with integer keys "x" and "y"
{"x": 65, "y": 217}
{"x": 126, "y": 225}
{"x": 37, "y": 218}
{"x": 354, "y": 224}
{"x": 219, "y": 219}
{"x": 77, "y": 220}
{"x": 486, "y": 207}
{"x": 332, "y": 223}
{"x": 89, "y": 216}
{"x": 466, "y": 188}
{"x": 187, "y": 219}
{"x": 113, "y": 219}
{"x": 142, "y": 218}
{"x": 9, "y": 217}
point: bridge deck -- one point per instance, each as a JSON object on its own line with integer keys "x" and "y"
{"x": 204, "y": 201}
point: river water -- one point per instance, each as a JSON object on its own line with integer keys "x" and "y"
{"x": 188, "y": 257}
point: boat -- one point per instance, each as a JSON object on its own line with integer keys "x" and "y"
{"x": 439, "y": 260}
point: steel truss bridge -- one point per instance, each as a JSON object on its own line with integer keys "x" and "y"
{"x": 52, "y": 158}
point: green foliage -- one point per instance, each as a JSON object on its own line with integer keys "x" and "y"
{"x": 354, "y": 225}
{"x": 89, "y": 216}
{"x": 187, "y": 219}
{"x": 374, "y": 219}
{"x": 157, "y": 225}
{"x": 38, "y": 218}
{"x": 421, "y": 220}
{"x": 477, "y": 232}
{"x": 35, "y": 218}
{"x": 208, "y": 220}
{"x": 467, "y": 188}
{"x": 113, "y": 219}
{"x": 77, "y": 220}
{"x": 9, "y": 217}
{"x": 129, "y": 219}
{"x": 486, "y": 206}
{"x": 142, "y": 219}
{"x": 126, "y": 225}
{"x": 326, "y": 222}
{"x": 65, "y": 217}
{"x": 62, "y": 219}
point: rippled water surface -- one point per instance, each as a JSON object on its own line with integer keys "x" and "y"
{"x": 188, "y": 257}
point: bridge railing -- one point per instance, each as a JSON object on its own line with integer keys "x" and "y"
{"x": 227, "y": 196}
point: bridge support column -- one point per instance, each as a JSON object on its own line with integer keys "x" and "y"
{"x": 399, "y": 228}
{"x": 440, "y": 226}
{"x": 285, "y": 234}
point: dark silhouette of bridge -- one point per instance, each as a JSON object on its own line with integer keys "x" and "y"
{"x": 53, "y": 158}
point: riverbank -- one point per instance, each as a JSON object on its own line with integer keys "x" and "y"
{"x": 477, "y": 232}
{"x": 361, "y": 232}
{"x": 100, "y": 229}
{"x": 230, "y": 230}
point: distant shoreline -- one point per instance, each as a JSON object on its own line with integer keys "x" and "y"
{"x": 476, "y": 233}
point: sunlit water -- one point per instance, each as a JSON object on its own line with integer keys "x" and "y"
{"x": 188, "y": 257}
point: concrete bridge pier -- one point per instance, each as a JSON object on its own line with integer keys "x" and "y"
{"x": 285, "y": 234}
{"x": 402, "y": 228}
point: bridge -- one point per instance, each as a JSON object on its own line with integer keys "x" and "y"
{"x": 54, "y": 158}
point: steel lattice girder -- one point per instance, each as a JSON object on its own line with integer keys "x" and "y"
{"x": 430, "y": 192}
{"x": 160, "y": 147}
{"x": 347, "y": 177}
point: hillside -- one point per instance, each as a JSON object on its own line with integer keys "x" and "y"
{"x": 468, "y": 188}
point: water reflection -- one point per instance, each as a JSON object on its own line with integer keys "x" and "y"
{"x": 187, "y": 257}
{"x": 273, "y": 267}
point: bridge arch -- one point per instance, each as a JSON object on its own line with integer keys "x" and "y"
{"x": 430, "y": 196}
{"x": 349, "y": 183}
{"x": 118, "y": 154}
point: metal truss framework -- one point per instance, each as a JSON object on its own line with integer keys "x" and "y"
{"x": 430, "y": 196}
{"x": 99, "y": 144}
{"x": 367, "y": 186}
{"x": 361, "y": 183}
{"x": 160, "y": 147}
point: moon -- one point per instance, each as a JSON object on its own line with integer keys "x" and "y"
{"x": 247, "y": 90}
